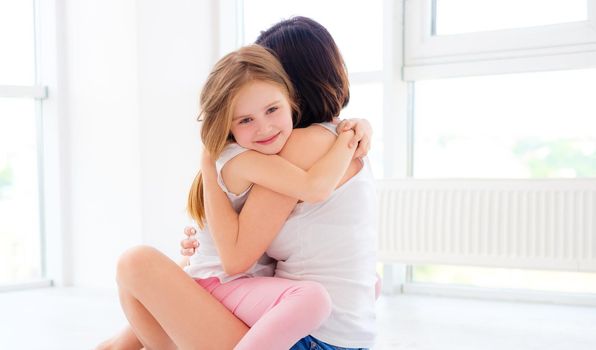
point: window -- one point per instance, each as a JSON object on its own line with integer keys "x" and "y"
{"x": 18, "y": 47}
{"x": 528, "y": 125}
{"x": 489, "y": 15}
{"x": 537, "y": 280}
{"x": 20, "y": 233}
{"x": 502, "y": 89}
{"x": 361, "y": 45}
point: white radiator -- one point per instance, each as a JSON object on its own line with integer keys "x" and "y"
{"x": 542, "y": 224}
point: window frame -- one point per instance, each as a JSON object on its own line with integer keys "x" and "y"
{"x": 50, "y": 73}
{"x": 541, "y": 48}
{"x": 50, "y": 145}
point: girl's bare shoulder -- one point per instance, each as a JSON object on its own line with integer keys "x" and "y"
{"x": 313, "y": 133}
{"x": 306, "y": 145}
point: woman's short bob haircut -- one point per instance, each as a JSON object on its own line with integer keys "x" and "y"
{"x": 314, "y": 64}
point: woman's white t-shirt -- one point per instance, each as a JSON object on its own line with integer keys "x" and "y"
{"x": 334, "y": 243}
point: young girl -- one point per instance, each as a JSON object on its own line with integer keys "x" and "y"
{"x": 247, "y": 105}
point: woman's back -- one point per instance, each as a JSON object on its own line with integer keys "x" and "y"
{"x": 334, "y": 243}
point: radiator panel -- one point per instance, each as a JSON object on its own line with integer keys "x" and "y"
{"x": 543, "y": 224}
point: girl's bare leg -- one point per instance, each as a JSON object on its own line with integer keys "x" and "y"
{"x": 152, "y": 287}
{"x": 150, "y": 332}
{"x": 125, "y": 340}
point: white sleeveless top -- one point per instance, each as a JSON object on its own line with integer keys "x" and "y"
{"x": 205, "y": 262}
{"x": 334, "y": 243}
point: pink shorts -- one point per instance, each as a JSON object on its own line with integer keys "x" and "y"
{"x": 249, "y": 298}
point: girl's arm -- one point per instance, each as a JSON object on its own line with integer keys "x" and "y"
{"x": 242, "y": 239}
{"x": 279, "y": 175}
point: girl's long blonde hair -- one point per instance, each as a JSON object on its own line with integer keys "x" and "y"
{"x": 218, "y": 97}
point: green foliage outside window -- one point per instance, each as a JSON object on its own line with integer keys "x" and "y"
{"x": 558, "y": 158}
{"x": 6, "y": 178}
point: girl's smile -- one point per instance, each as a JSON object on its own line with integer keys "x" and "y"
{"x": 269, "y": 140}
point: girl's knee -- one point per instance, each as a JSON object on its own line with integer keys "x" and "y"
{"x": 319, "y": 299}
{"x": 132, "y": 262}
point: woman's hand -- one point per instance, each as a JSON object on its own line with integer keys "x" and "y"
{"x": 362, "y": 134}
{"x": 189, "y": 244}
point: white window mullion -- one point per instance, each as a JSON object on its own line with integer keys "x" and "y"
{"x": 511, "y": 65}
{"x": 53, "y": 141}
{"x": 395, "y": 99}
{"x": 396, "y": 133}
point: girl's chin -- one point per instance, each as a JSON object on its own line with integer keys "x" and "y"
{"x": 269, "y": 151}
{"x": 273, "y": 148}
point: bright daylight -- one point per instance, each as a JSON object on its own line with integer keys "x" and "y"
{"x": 259, "y": 174}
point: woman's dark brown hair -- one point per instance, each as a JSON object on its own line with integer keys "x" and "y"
{"x": 315, "y": 66}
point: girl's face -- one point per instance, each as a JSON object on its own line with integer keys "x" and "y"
{"x": 262, "y": 119}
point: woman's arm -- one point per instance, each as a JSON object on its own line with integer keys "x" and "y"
{"x": 242, "y": 239}
{"x": 276, "y": 173}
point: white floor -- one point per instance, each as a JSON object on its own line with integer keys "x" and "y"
{"x": 65, "y": 319}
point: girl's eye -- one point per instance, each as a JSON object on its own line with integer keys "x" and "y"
{"x": 272, "y": 109}
{"x": 245, "y": 121}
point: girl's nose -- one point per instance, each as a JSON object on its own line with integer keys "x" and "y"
{"x": 264, "y": 127}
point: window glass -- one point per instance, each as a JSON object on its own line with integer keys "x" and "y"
{"x": 20, "y": 258}
{"x": 531, "y": 125}
{"x": 366, "y": 101}
{"x": 17, "y": 43}
{"x": 557, "y": 281}
{"x": 357, "y": 27}
{"x": 465, "y": 16}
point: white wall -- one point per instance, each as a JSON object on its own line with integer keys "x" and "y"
{"x": 176, "y": 48}
{"x": 132, "y": 73}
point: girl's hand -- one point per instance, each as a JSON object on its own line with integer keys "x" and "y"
{"x": 362, "y": 134}
{"x": 189, "y": 244}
